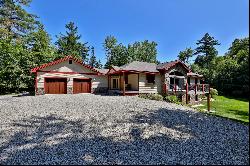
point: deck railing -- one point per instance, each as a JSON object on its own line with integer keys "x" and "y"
{"x": 191, "y": 88}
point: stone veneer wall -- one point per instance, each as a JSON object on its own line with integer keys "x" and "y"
{"x": 40, "y": 91}
{"x": 99, "y": 90}
{"x": 69, "y": 90}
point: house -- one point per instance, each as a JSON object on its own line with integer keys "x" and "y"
{"x": 70, "y": 76}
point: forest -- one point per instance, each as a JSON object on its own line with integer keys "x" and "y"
{"x": 25, "y": 44}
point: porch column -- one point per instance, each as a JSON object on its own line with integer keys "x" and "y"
{"x": 108, "y": 82}
{"x": 174, "y": 86}
{"x": 187, "y": 92}
{"x": 123, "y": 87}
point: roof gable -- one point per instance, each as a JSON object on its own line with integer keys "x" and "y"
{"x": 77, "y": 61}
{"x": 166, "y": 66}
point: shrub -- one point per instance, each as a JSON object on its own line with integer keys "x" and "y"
{"x": 213, "y": 92}
{"x": 172, "y": 99}
{"x": 151, "y": 96}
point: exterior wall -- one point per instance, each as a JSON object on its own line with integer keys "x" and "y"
{"x": 133, "y": 81}
{"x": 145, "y": 87}
{"x": 98, "y": 82}
{"x": 178, "y": 68}
{"x": 66, "y": 67}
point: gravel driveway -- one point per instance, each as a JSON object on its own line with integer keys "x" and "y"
{"x": 95, "y": 129}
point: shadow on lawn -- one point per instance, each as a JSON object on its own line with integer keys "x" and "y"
{"x": 181, "y": 138}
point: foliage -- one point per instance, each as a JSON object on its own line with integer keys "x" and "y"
{"x": 15, "y": 22}
{"x": 213, "y": 92}
{"x": 172, "y": 99}
{"x": 118, "y": 54}
{"x": 69, "y": 44}
{"x": 186, "y": 54}
{"x": 228, "y": 107}
{"x": 206, "y": 51}
{"x": 152, "y": 96}
{"x": 92, "y": 60}
{"x": 144, "y": 51}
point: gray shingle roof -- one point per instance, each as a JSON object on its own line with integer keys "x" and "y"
{"x": 140, "y": 66}
{"x": 103, "y": 71}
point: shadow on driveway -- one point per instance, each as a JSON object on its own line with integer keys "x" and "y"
{"x": 168, "y": 137}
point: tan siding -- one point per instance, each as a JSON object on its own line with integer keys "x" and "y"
{"x": 66, "y": 67}
{"x": 97, "y": 81}
{"x": 145, "y": 87}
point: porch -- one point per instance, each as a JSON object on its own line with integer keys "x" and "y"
{"x": 125, "y": 83}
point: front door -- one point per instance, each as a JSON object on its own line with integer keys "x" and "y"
{"x": 115, "y": 83}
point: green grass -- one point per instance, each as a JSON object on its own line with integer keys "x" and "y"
{"x": 228, "y": 107}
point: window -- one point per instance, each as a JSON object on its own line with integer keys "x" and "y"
{"x": 70, "y": 61}
{"x": 150, "y": 78}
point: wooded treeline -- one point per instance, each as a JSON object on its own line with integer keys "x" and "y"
{"x": 228, "y": 73}
{"x": 25, "y": 44}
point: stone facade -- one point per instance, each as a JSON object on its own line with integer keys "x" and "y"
{"x": 69, "y": 90}
{"x": 40, "y": 91}
{"x": 99, "y": 90}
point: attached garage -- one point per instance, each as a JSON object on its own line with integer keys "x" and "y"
{"x": 55, "y": 85}
{"x": 81, "y": 85}
{"x": 67, "y": 76}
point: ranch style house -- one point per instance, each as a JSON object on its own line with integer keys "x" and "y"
{"x": 71, "y": 76}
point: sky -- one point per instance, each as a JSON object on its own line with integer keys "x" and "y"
{"x": 173, "y": 24}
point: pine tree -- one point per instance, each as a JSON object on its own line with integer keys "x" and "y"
{"x": 69, "y": 44}
{"x": 92, "y": 59}
{"x": 206, "y": 51}
{"x": 40, "y": 47}
{"x": 15, "y": 22}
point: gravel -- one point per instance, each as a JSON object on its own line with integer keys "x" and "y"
{"x": 95, "y": 129}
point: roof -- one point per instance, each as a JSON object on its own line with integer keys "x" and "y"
{"x": 103, "y": 71}
{"x": 194, "y": 74}
{"x": 116, "y": 68}
{"x": 168, "y": 65}
{"x": 62, "y": 60}
{"x": 140, "y": 66}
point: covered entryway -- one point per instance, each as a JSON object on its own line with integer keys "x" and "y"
{"x": 55, "y": 85}
{"x": 81, "y": 85}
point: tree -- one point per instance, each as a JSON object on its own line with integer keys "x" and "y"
{"x": 143, "y": 51}
{"x": 99, "y": 64}
{"x": 69, "y": 44}
{"x": 92, "y": 60}
{"x": 118, "y": 54}
{"x": 15, "y": 57}
{"x": 206, "y": 51}
{"x": 40, "y": 47}
{"x": 109, "y": 43}
{"x": 15, "y": 22}
{"x": 185, "y": 55}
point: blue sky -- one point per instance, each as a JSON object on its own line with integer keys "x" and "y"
{"x": 173, "y": 24}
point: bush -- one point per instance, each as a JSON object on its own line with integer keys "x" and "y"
{"x": 172, "y": 99}
{"x": 213, "y": 92}
{"x": 151, "y": 96}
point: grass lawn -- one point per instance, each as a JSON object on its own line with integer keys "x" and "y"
{"x": 232, "y": 108}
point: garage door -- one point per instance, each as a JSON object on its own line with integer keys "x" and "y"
{"x": 81, "y": 85}
{"x": 55, "y": 85}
